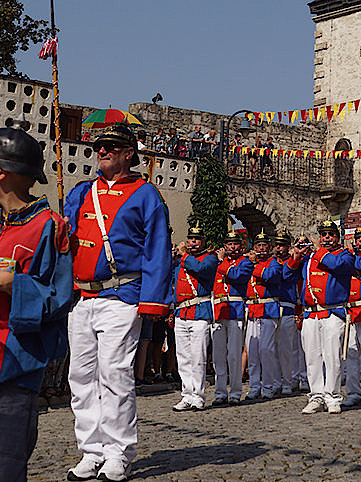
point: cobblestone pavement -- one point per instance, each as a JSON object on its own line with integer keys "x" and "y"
{"x": 261, "y": 441}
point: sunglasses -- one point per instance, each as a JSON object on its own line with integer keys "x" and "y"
{"x": 324, "y": 233}
{"x": 108, "y": 146}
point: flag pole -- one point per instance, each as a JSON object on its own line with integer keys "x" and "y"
{"x": 59, "y": 164}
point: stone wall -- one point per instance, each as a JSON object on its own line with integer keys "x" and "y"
{"x": 337, "y": 77}
{"x": 304, "y": 136}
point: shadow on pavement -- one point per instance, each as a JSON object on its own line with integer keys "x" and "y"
{"x": 164, "y": 462}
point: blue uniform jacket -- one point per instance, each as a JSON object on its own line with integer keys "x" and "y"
{"x": 288, "y": 292}
{"x": 136, "y": 220}
{"x": 237, "y": 278}
{"x": 202, "y": 271}
{"x": 329, "y": 276}
{"x": 33, "y": 319}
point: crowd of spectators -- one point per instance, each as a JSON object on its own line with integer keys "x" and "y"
{"x": 197, "y": 144}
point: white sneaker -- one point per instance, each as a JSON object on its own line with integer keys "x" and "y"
{"x": 114, "y": 470}
{"x": 334, "y": 408}
{"x": 352, "y": 400}
{"x": 86, "y": 469}
{"x": 198, "y": 405}
{"x": 313, "y": 407}
{"x": 286, "y": 391}
{"x": 182, "y": 406}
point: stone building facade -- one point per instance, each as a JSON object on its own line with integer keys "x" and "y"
{"x": 337, "y": 74}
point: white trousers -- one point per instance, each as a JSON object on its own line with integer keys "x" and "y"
{"x": 299, "y": 372}
{"x": 192, "y": 337}
{"x": 322, "y": 342}
{"x": 284, "y": 352}
{"x": 227, "y": 339}
{"x": 353, "y": 361}
{"x": 260, "y": 342}
{"x": 103, "y": 338}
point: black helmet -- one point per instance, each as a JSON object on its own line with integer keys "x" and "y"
{"x": 196, "y": 231}
{"x": 21, "y": 153}
{"x": 121, "y": 135}
{"x": 328, "y": 225}
{"x": 283, "y": 238}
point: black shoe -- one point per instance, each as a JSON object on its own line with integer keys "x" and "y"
{"x": 234, "y": 402}
{"x": 220, "y": 402}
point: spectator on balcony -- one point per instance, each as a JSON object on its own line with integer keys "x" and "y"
{"x": 172, "y": 142}
{"x": 234, "y": 148}
{"x": 159, "y": 142}
{"x": 195, "y": 144}
{"x": 142, "y": 138}
{"x": 209, "y": 143}
{"x": 266, "y": 159}
{"x": 252, "y": 156}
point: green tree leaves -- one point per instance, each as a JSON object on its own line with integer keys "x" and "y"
{"x": 17, "y": 31}
{"x": 210, "y": 201}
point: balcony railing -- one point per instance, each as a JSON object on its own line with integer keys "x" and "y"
{"x": 320, "y": 174}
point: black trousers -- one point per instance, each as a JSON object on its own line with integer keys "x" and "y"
{"x": 18, "y": 430}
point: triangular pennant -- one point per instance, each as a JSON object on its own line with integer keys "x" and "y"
{"x": 344, "y": 154}
{"x": 350, "y": 154}
{"x": 318, "y": 154}
{"x": 290, "y": 114}
{"x": 329, "y": 112}
{"x": 322, "y": 112}
{"x": 342, "y": 106}
{"x": 275, "y": 152}
{"x": 250, "y": 116}
{"x": 299, "y": 153}
{"x": 279, "y": 117}
{"x": 342, "y": 115}
{"x": 337, "y": 154}
{"x": 261, "y": 151}
{"x": 328, "y": 153}
{"x": 261, "y": 117}
{"x": 256, "y": 117}
{"x": 312, "y": 153}
{"x": 294, "y": 116}
{"x": 335, "y": 109}
{"x": 358, "y": 154}
{"x": 310, "y": 112}
{"x": 315, "y": 113}
{"x": 349, "y": 106}
{"x": 356, "y": 104}
{"x": 305, "y": 154}
{"x": 270, "y": 116}
{"x": 280, "y": 152}
{"x": 304, "y": 114}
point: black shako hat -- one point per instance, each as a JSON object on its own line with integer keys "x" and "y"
{"x": 122, "y": 136}
{"x": 328, "y": 225}
{"x": 233, "y": 236}
{"x": 196, "y": 232}
{"x": 21, "y": 153}
{"x": 262, "y": 237}
{"x": 282, "y": 238}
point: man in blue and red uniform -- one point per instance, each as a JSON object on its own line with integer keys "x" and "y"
{"x": 263, "y": 317}
{"x": 326, "y": 288}
{"x": 194, "y": 279}
{"x": 230, "y": 287}
{"x": 287, "y": 326}
{"x": 35, "y": 296}
{"x": 353, "y": 389}
{"x": 121, "y": 247}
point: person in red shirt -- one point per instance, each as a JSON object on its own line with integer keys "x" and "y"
{"x": 230, "y": 287}
{"x": 327, "y": 276}
{"x": 264, "y": 312}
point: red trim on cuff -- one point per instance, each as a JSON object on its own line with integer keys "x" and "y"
{"x": 293, "y": 263}
{"x": 183, "y": 258}
{"x": 153, "y": 309}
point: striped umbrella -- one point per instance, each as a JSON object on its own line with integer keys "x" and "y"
{"x": 105, "y": 117}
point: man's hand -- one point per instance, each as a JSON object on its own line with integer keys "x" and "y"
{"x": 316, "y": 243}
{"x": 252, "y": 256}
{"x": 6, "y": 281}
{"x": 182, "y": 248}
{"x": 221, "y": 253}
{"x": 298, "y": 253}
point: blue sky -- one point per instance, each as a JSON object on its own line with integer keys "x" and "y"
{"x": 218, "y": 56}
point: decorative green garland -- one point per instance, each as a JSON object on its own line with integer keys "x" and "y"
{"x": 210, "y": 201}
